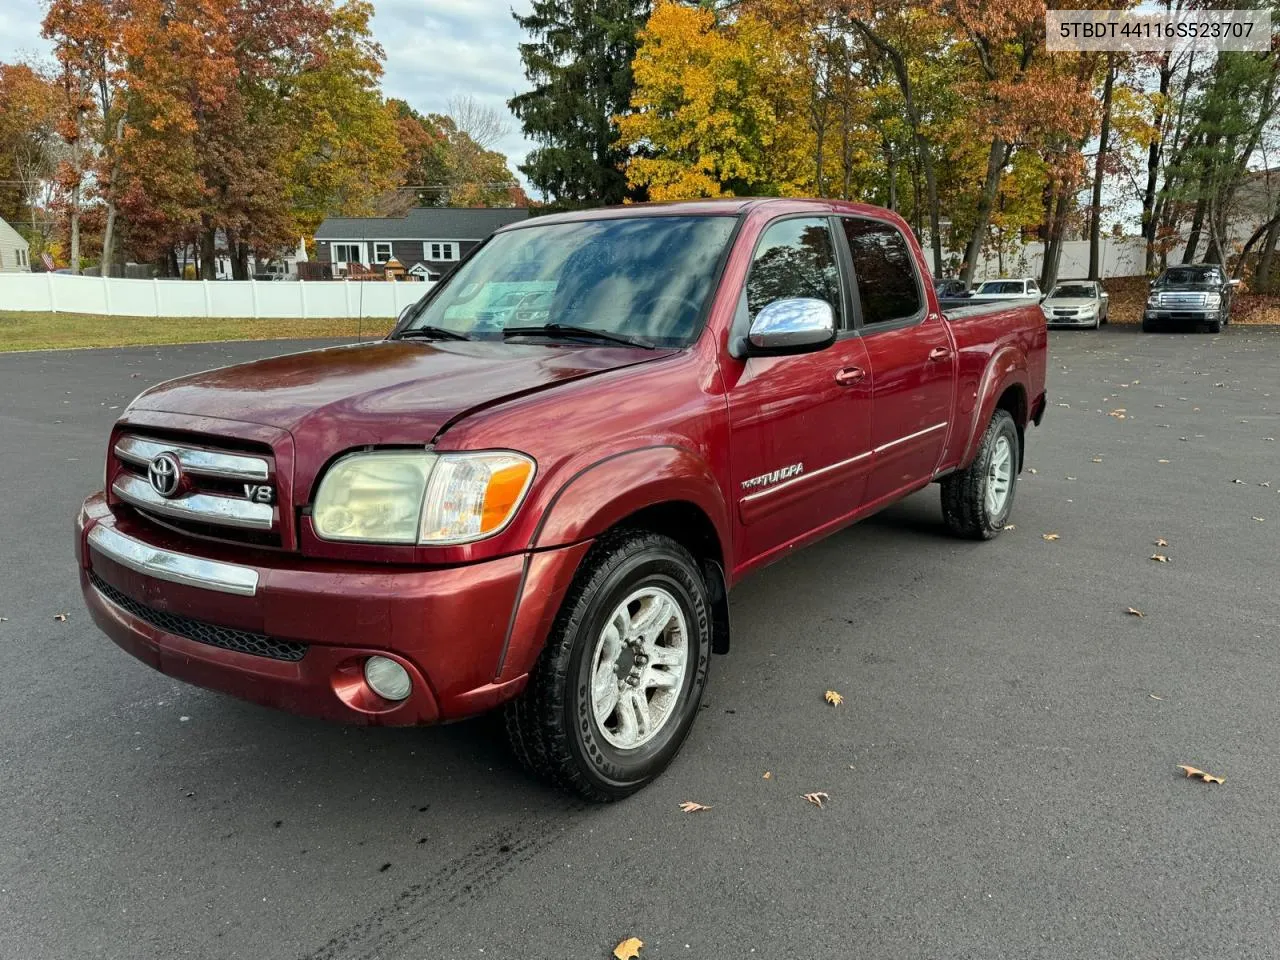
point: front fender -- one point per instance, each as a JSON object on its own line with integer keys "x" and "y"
{"x": 1006, "y": 368}
{"x": 609, "y": 490}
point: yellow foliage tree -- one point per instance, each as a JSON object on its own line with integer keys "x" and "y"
{"x": 718, "y": 109}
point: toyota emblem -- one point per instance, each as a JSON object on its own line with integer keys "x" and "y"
{"x": 165, "y": 474}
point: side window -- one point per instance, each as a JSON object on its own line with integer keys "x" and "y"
{"x": 795, "y": 258}
{"x": 887, "y": 286}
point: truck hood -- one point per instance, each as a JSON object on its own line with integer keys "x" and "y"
{"x": 382, "y": 392}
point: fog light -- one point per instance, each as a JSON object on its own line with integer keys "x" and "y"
{"x": 387, "y": 678}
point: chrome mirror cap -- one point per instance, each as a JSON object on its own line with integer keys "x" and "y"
{"x": 793, "y": 326}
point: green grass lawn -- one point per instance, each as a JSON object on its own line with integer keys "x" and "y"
{"x": 58, "y": 331}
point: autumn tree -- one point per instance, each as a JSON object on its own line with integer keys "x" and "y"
{"x": 449, "y": 160}
{"x": 30, "y": 148}
{"x": 579, "y": 62}
{"x": 344, "y": 147}
{"x": 719, "y": 109}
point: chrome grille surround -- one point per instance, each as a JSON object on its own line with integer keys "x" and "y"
{"x": 208, "y": 497}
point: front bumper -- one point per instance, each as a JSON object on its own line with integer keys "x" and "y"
{"x": 1182, "y": 316}
{"x": 293, "y": 633}
{"x": 1076, "y": 321}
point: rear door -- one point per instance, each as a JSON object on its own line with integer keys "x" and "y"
{"x": 801, "y": 425}
{"x": 911, "y": 354}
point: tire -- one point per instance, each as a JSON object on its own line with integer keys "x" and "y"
{"x": 1215, "y": 326}
{"x": 1148, "y": 326}
{"x": 552, "y": 726}
{"x": 965, "y": 504}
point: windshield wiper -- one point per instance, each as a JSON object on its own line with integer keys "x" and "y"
{"x": 563, "y": 330}
{"x": 430, "y": 333}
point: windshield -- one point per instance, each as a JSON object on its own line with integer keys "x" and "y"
{"x": 1002, "y": 286}
{"x": 1183, "y": 275}
{"x": 1073, "y": 291}
{"x": 638, "y": 277}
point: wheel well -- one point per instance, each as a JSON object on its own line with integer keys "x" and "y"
{"x": 690, "y": 527}
{"x": 1014, "y": 400}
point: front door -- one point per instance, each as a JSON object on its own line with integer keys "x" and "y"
{"x": 911, "y": 354}
{"x": 801, "y": 425}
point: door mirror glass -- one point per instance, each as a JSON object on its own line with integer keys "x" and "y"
{"x": 797, "y": 325}
{"x": 1235, "y": 281}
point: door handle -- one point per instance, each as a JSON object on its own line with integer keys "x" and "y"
{"x": 848, "y": 376}
{"x": 939, "y": 353}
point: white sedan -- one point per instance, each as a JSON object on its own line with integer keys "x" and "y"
{"x": 1076, "y": 303}
{"x": 1019, "y": 289}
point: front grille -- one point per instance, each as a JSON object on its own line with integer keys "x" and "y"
{"x": 228, "y": 638}
{"x": 214, "y": 500}
{"x": 1181, "y": 300}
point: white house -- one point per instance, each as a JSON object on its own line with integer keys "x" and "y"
{"x": 15, "y": 252}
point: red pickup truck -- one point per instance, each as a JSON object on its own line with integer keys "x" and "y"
{"x": 538, "y": 490}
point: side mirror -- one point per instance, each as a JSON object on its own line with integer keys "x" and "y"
{"x": 799, "y": 325}
{"x": 1235, "y": 281}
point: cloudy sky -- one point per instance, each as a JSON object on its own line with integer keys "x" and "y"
{"x": 436, "y": 49}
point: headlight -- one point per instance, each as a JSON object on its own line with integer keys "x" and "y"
{"x": 1213, "y": 299}
{"x": 421, "y": 497}
{"x": 1153, "y": 300}
{"x": 1089, "y": 311}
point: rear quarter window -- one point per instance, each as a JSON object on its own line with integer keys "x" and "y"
{"x": 888, "y": 288}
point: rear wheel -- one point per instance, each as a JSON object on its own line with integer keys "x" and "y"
{"x": 1215, "y": 326}
{"x": 617, "y": 688}
{"x": 1148, "y": 326}
{"x": 977, "y": 501}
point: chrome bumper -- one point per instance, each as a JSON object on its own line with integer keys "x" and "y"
{"x": 174, "y": 567}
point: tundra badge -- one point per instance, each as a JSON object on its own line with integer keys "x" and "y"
{"x": 775, "y": 476}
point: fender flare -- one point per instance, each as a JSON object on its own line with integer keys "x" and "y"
{"x": 1006, "y": 368}
{"x": 607, "y": 491}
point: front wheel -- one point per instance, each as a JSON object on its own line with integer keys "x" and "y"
{"x": 617, "y": 688}
{"x": 977, "y": 501}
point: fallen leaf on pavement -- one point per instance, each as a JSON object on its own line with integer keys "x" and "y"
{"x": 1261, "y": 519}
{"x": 833, "y": 698}
{"x": 818, "y": 798}
{"x": 1070, "y": 478}
{"x": 1010, "y": 526}
{"x": 1159, "y": 558}
{"x": 1118, "y": 413}
{"x": 1097, "y": 459}
{"x": 1031, "y": 470}
{"x": 691, "y": 806}
{"x": 1237, "y": 481}
{"x": 1200, "y": 774}
{"x": 1161, "y": 542}
{"x": 1050, "y": 536}
{"x": 60, "y": 617}
{"x": 1134, "y": 612}
{"x": 1154, "y": 697}
{"x": 1162, "y": 461}
{"x": 1269, "y": 439}
{"x": 628, "y": 949}
{"x": 768, "y": 775}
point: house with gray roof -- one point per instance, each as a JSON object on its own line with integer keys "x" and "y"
{"x": 427, "y": 241}
{"x": 15, "y": 252}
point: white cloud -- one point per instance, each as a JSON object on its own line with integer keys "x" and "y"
{"x": 436, "y": 49}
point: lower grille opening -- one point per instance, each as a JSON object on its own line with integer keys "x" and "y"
{"x": 228, "y": 638}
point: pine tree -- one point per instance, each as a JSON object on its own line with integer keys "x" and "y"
{"x": 579, "y": 62}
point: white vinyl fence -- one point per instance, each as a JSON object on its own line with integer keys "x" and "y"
{"x": 1118, "y": 257}
{"x": 60, "y": 292}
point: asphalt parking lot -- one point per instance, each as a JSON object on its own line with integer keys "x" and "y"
{"x": 1002, "y": 774}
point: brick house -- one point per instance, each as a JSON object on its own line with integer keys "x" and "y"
{"x": 427, "y": 241}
